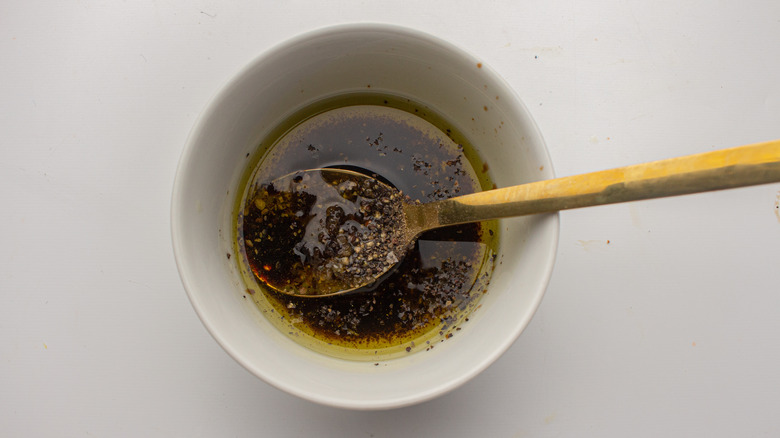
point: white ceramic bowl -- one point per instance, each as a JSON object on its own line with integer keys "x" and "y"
{"x": 319, "y": 64}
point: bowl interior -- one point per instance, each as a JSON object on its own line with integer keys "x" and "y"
{"x": 321, "y": 64}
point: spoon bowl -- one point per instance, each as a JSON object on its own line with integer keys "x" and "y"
{"x": 324, "y": 232}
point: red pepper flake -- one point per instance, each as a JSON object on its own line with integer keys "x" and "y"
{"x": 228, "y": 256}
{"x": 479, "y": 65}
{"x": 267, "y": 267}
{"x": 449, "y": 335}
{"x": 250, "y": 291}
{"x": 484, "y": 107}
{"x": 408, "y": 349}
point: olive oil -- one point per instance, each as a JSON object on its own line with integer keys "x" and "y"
{"x": 437, "y": 285}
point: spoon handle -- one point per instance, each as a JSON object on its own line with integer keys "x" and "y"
{"x": 723, "y": 169}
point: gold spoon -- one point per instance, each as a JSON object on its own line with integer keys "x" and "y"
{"x": 387, "y": 225}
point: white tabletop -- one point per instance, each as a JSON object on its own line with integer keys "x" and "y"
{"x": 661, "y": 317}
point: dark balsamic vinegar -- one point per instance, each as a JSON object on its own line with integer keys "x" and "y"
{"x": 428, "y": 298}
